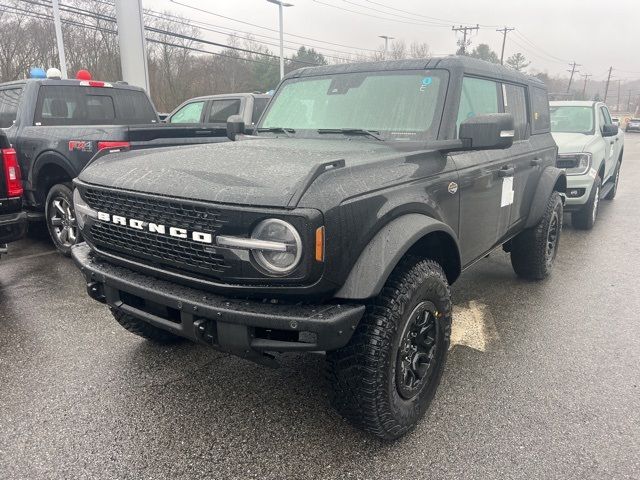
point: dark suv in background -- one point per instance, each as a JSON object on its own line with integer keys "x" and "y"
{"x": 368, "y": 191}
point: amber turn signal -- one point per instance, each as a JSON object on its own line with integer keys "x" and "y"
{"x": 320, "y": 244}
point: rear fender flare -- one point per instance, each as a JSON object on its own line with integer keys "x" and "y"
{"x": 386, "y": 249}
{"x": 552, "y": 179}
{"x": 50, "y": 158}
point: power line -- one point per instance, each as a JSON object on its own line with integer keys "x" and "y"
{"x": 421, "y": 24}
{"x": 439, "y": 24}
{"x": 111, "y": 19}
{"x": 27, "y": 13}
{"x": 444, "y": 20}
{"x": 165, "y": 32}
{"x": 557, "y": 59}
{"x": 201, "y": 10}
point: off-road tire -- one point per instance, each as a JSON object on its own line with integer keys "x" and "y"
{"x": 612, "y": 193}
{"x": 61, "y": 192}
{"x": 585, "y": 218}
{"x": 363, "y": 374}
{"x": 144, "y": 329}
{"x": 532, "y": 257}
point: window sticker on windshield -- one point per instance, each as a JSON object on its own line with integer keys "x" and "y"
{"x": 426, "y": 81}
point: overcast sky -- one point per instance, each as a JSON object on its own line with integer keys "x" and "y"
{"x": 550, "y": 33}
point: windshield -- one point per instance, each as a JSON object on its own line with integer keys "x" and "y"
{"x": 399, "y": 105}
{"x": 571, "y": 119}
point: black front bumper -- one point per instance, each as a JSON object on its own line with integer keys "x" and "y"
{"x": 247, "y": 328}
{"x": 13, "y": 226}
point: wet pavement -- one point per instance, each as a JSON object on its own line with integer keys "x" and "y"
{"x": 543, "y": 380}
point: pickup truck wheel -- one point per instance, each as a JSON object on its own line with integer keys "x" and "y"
{"x": 612, "y": 193}
{"x": 385, "y": 378}
{"x": 585, "y": 218}
{"x": 534, "y": 250}
{"x": 144, "y": 329}
{"x": 61, "y": 218}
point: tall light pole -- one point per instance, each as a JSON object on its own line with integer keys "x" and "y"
{"x": 58, "y": 27}
{"x": 386, "y": 44}
{"x": 281, "y": 5}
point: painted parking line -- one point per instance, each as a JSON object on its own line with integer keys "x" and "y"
{"x": 474, "y": 327}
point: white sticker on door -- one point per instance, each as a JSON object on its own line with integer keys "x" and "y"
{"x": 507, "y": 192}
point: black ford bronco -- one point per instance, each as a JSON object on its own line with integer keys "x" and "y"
{"x": 339, "y": 227}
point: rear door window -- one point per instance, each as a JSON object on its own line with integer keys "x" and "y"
{"x": 71, "y": 105}
{"x": 9, "y": 100}
{"x": 190, "y": 113}
{"x": 540, "y": 110}
{"x": 515, "y": 103}
{"x": 479, "y": 97}
{"x": 221, "y": 110}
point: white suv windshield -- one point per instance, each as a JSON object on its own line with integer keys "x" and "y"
{"x": 571, "y": 119}
{"x": 399, "y": 105}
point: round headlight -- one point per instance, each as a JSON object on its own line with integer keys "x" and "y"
{"x": 278, "y": 262}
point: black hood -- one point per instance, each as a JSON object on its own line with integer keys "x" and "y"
{"x": 264, "y": 172}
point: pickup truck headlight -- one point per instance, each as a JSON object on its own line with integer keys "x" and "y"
{"x": 82, "y": 209}
{"x": 275, "y": 245}
{"x": 574, "y": 163}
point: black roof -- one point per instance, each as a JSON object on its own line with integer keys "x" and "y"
{"x": 453, "y": 63}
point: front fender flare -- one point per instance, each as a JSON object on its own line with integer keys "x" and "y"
{"x": 384, "y": 251}
{"x": 551, "y": 179}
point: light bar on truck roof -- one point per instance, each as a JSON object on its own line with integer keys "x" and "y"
{"x": 95, "y": 83}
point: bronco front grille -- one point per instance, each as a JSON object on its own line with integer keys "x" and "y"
{"x": 158, "y": 249}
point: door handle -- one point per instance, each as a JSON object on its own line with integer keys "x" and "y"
{"x": 536, "y": 162}
{"x": 506, "y": 172}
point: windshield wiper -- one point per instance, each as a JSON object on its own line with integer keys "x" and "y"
{"x": 287, "y": 131}
{"x": 353, "y": 131}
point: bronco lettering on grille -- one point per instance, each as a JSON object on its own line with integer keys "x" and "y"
{"x": 201, "y": 237}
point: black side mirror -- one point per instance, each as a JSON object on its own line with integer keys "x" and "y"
{"x": 609, "y": 130}
{"x": 484, "y": 132}
{"x": 235, "y": 127}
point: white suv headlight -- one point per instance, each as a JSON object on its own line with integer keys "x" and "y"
{"x": 574, "y": 163}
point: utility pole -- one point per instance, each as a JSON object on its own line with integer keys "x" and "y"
{"x": 606, "y": 89}
{"x": 386, "y": 44}
{"x": 281, "y": 6}
{"x": 629, "y": 101}
{"x": 60, "y": 42}
{"x": 618, "y": 99}
{"x": 464, "y": 43}
{"x": 584, "y": 87}
{"x": 573, "y": 71}
{"x": 504, "y": 32}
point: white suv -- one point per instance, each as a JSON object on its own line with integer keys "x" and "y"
{"x": 590, "y": 148}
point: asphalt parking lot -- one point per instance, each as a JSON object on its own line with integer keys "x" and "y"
{"x": 543, "y": 380}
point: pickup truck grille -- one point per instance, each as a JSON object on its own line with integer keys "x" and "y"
{"x": 161, "y": 250}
